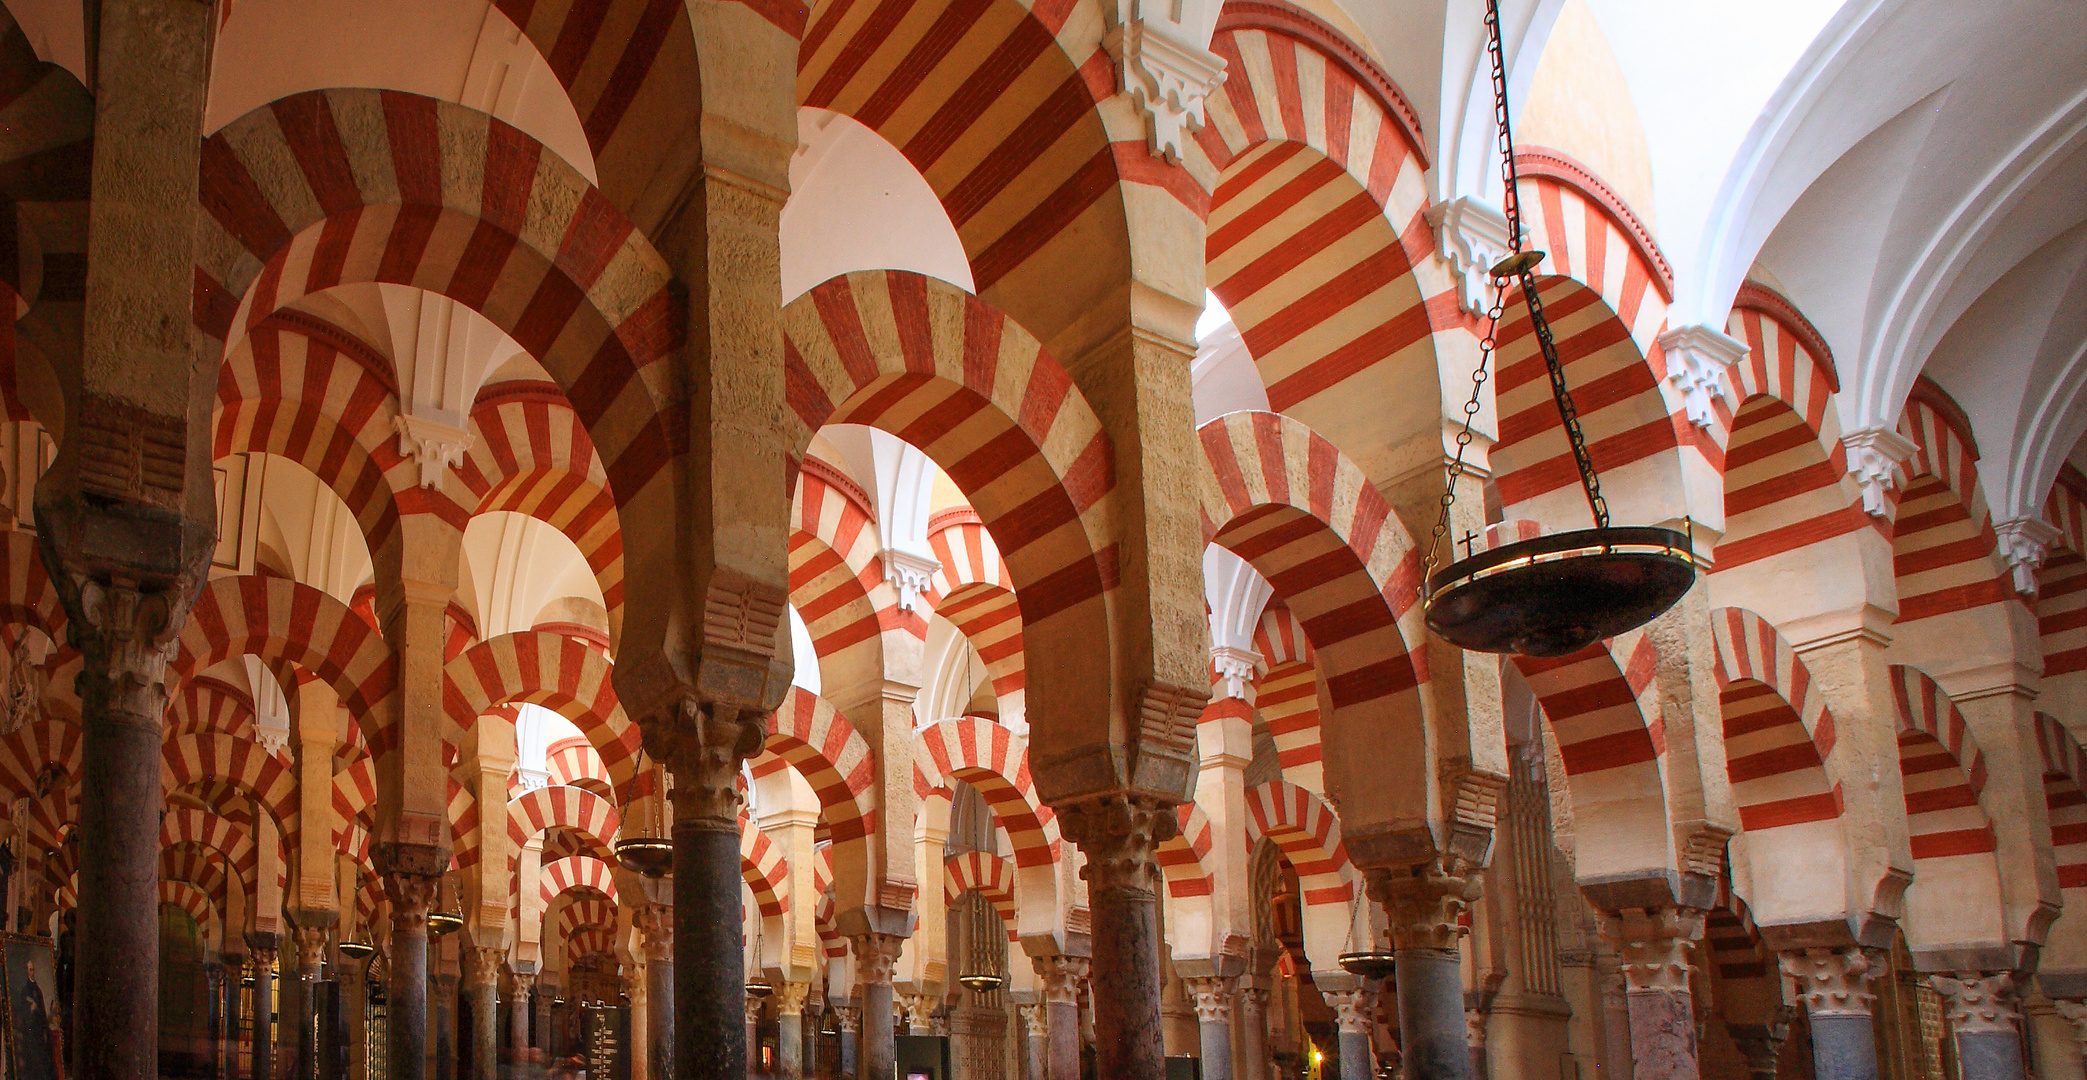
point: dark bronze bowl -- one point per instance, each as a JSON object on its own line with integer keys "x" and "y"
{"x": 1556, "y": 595}
{"x": 652, "y": 856}
{"x": 1374, "y": 964}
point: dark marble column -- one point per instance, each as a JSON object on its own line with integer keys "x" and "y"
{"x": 214, "y": 1016}
{"x": 1061, "y": 977}
{"x": 1986, "y": 1018}
{"x": 1475, "y": 1038}
{"x": 308, "y": 938}
{"x": 1655, "y": 944}
{"x": 1212, "y": 997}
{"x": 1352, "y": 1010}
{"x": 655, "y": 923}
{"x": 1834, "y": 987}
{"x": 1036, "y": 1042}
{"x": 444, "y": 1021}
{"x": 260, "y": 951}
{"x": 874, "y": 955}
{"x": 518, "y": 1023}
{"x": 1423, "y": 902}
{"x": 412, "y": 895}
{"x": 848, "y": 1019}
{"x": 228, "y": 1008}
{"x": 482, "y": 984}
{"x": 1120, "y": 835}
{"x": 1252, "y": 1015}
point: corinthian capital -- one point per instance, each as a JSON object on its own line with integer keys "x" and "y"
{"x": 1352, "y": 1009}
{"x": 874, "y": 955}
{"x": 1061, "y": 977}
{"x": 1833, "y": 982}
{"x": 1425, "y": 902}
{"x": 1977, "y": 1003}
{"x": 1655, "y": 944}
{"x": 1212, "y": 997}
{"x": 1120, "y": 834}
{"x": 703, "y": 746}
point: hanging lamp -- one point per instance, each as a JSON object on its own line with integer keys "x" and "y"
{"x": 1557, "y": 594}
{"x": 443, "y": 923}
{"x": 982, "y": 982}
{"x": 356, "y": 950}
{"x": 651, "y": 856}
{"x": 1372, "y": 961}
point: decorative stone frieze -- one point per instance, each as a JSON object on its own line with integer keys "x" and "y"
{"x": 1977, "y": 1003}
{"x": 1833, "y": 982}
{"x": 1654, "y": 945}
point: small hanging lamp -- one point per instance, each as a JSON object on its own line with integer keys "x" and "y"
{"x": 356, "y": 950}
{"x": 1371, "y": 961}
{"x": 444, "y": 923}
{"x": 1556, "y": 594}
{"x": 759, "y": 986}
{"x": 982, "y": 982}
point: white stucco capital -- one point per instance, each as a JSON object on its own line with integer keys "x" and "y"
{"x": 1167, "y": 76}
{"x": 533, "y": 779}
{"x": 2024, "y": 541}
{"x": 1235, "y": 668}
{"x": 435, "y": 444}
{"x": 1698, "y": 359}
{"x": 910, "y": 574}
{"x": 1874, "y": 457}
{"x": 1470, "y": 236}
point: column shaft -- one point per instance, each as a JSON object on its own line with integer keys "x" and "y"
{"x": 406, "y": 981}
{"x": 263, "y": 1060}
{"x": 1663, "y": 1034}
{"x": 1833, "y": 985}
{"x": 1432, "y": 1038}
{"x": 709, "y": 972}
{"x": 484, "y": 990}
{"x": 1984, "y": 1015}
{"x": 879, "y": 1046}
{"x": 660, "y": 1013}
{"x": 1253, "y": 1035}
{"x": 1120, "y": 836}
{"x": 789, "y": 1046}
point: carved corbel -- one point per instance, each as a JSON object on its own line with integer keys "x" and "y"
{"x": 1167, "y": 75}
{"x": 1698, "y": 360}
{"x": 2024, "y": 541}
{"x": 434, "y": 444}
{"x": 1874, "y": 457}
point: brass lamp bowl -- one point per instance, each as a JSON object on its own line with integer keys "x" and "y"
{"x": 356, "y": 950}
{"x": 652, "y": 856}
{"x": 984, "y": 982}
{"x": 441, "y": 923}
{"x": 759, "y": 987}
{"x": 1373, "y": 964}
{"x": 1555, "y": 595}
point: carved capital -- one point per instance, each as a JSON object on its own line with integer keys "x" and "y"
{"x": 1833, "y": 982}
{"x": 1061, "y": 976}
{"x": 1235, "y": 671}
{"x": 910, "y": 575}
{"x": 703, "y": 746}
{"x": 1475, "y": 1029}
{"x": 1698, "y": 359}
{"x": 790, "y": 998}
{"x": 1168, "y": 76}
{"x": 125, "y": 631}
{"x": 261, "y": 953}
{"x": 1035, "y": 1023}
{"x": 847, "y": 1018}
{"x": 1874, "y": 456}
{"x": 435, "y": 444}
{"x": 874, "y": 955}
{"x": 482, "y": 967}
{"x": 656, "y": 923}
{"x": 310, "y": 942}
{"x": 920, "y": 1011}
{"x": 1253, "y": 1002}
{"x": 2075, "y": 1013}
{"x": 1762, "y": 1044}
{"x": 1977, "y": 1003}
{"x": 1352, "y": 1009}
{"x": 1120, "y": 834}
{"x": 1212, "y": 997}
{"x": 412, "y": 896}
{"x": 1470, "y": 235}
{"x": 1655, "y": 944}
{"x": 524, "y": 983}
{"x": 2023, "y": 542}
{"x": 1425, "y": 902}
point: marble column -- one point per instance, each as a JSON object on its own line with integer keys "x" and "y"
{"x": 1423, "y": 904}
{"x": 214, "y": 1015}
{"x": 518, "y": 1024}
{"x": 1986, "y": 1018}
{"x": 874, "y": 955}
{"x": 920, "y": 1013}
{"x": 1061, "y": 977}
{"x": 412, "y": 896}
{"x": 753, "y": 1027}
{"x": 260, "y": 953}
{"x": 1120, "y": 834}
{"x": 848, "y": 1020}
{"x": 1212, "y": 997}
{"x": 1761, "y": 1044}
{"x": 655, "y": 923}
{"x": 482, "y": 984}
{"x": 1352, "y": 1010}
{"x": 235, "y": 973}
{"x": 1253, "y": 1034}
{"x": 1655, "y": 945}
{"x": 1036, "y": 1041}
{"x": 445, "y": 1025}
{"x": 789, "y": 1020}
{"x": 1834, "y": 987}
{"x": 309, "y": 939}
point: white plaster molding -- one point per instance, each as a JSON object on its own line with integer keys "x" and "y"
{"x": 275, "y": 740}
{"x": 532, "y": 779}
{"x": 2024, "y": 541}
{"x": 1235, "y": 666}
{"x": 1167, "y": 76}
{"x": 910, "y": 574}
{"x": 1470, "y": 235}
{"x": 1874, "y": 457}
{"x": 1697, "y": 361}
{"x": 435, "y": 444}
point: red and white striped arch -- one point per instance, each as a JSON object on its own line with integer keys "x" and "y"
{"x": 277, "y": 619}
{"x": 835, "y": 575}
{"x": 573, "y": 760}
{"x": 1943, "y": 542}
{"x": 1778, "y": 731}
{"x": 2061, "y": 585}
{"x": 972, "y": 389}
{"x": 1604, "y": 289}
{"x": 192, "y": 899}
{"x": 991, "y": 876}
{"x": 354, "y": 801}
{"x": 559, "y": 807}
{"x": 208, "y": 704}
{"x": 831, "y": 944}
{"x": 1309, "y": 834}
{"x": 232, "y": 841}
{"x": 564, "y": 674}
{"x": 994, "y": 760}
{"x": 995, "y": 103}
{"x": 1182, "y": 859}
{"x": 532, "y": 456}
{"x": 586, "y": 912}
{"x": 764, "y": 869}
{"x": 1943, "y": 771}
{"x": 575, "y": 872}
{"x": 330, "y": 187}
{"x": 28, "y": 601}
{"x": 2065, "y": 797}
{"x": 247, "y": 766}
{"x": 1786, "y": 473}
{"x": 592, "y": 941}
{"x": 1306, "y": 517}
{"x": 975, "y": 592}
{"x": 1602, "y": 708}
{"x": 811, "y": 736}
{"x": 1288, "y": 697}
{"x": 28, "y": 750}
{"x": 1317, "y": 240}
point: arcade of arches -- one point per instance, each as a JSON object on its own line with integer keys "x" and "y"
{"x": 887, "y": 535}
